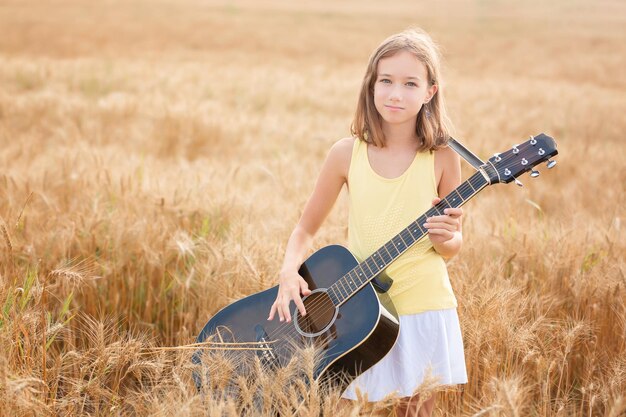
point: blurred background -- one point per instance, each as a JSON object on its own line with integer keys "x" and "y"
{"x": 155, "y": 156}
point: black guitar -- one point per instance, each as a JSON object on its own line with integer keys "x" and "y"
{"x": 350, "y": 318}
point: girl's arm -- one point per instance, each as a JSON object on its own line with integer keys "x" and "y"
{"x": 332, "y": 176}
{"x": 445, "y": 231}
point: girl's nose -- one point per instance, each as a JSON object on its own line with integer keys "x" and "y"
{"x": 395, "y": 94}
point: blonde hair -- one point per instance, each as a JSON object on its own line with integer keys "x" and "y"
{"x": 432, "y": 125}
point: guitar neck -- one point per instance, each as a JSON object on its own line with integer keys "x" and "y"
{"x": 367, "y": 270}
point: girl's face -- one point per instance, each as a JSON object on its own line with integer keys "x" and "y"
{"x": 401, "y": 88}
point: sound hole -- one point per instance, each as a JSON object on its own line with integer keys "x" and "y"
{"x": 320, "y": 312}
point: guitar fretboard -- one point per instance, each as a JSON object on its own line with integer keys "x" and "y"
{"x": 367, "y": 270}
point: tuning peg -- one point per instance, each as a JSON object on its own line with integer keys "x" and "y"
{"x": 550, "y": 164}
{"x": 518, "y": 182}
{"x": 533, "y": 141}
{"x": 534, "y": 173}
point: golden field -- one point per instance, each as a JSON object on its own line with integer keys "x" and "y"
{"x": 155, "y": 156}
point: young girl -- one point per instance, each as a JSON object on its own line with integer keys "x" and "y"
{"x": 396, "y": 166}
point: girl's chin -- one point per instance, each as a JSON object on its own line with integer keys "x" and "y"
{"x": 398, "y": 120}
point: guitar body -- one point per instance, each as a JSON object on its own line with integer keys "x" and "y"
{"x": 351, "y": 337}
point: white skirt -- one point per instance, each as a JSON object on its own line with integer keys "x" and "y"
{"x": 428, "y": 343}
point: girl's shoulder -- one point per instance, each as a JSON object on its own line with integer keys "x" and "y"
{"x": 446, "y": 157}
{"x": 446, "y": 153}
{"x": 340, "y": 155}
{"x": 447, "y": 168}
{"x": 343, "y": 147}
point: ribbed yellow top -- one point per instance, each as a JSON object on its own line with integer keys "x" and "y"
{"x": 379, "y": 209}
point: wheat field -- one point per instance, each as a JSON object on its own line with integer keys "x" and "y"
{"x": 155, "y": 156}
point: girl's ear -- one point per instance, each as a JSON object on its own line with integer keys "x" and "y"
{"x": 432, "y": 90}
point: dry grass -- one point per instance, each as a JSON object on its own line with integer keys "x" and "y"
{"x": 155, "y": 155}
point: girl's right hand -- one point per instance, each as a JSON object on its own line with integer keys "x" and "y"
{"x": 291, "y": 285}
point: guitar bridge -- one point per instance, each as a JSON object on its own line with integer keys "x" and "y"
{"x": 264, "y": 352}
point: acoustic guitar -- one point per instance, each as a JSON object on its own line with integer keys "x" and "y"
{"x": 350, "y": 318}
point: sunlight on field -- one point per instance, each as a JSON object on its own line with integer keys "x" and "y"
{"x": 155, "y": 156}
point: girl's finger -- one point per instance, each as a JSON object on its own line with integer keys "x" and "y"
{"x": 300, "y": 305}
{"x": 453, "y": 212}
{"x": 444, "y": 220}
{"x": 441, "y": 232}
{"x": 449, "y": 225}
{"x": 280, "y": 307}
{"x": 286, "y": 315}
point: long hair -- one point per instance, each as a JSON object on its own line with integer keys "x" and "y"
{"x": 433, "y": 125}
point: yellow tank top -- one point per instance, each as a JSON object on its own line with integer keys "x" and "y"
{"x": 379, "y": 209}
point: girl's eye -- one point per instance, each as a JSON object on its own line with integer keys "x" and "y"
{"x": 411, "y": 84}
{"x": 385, "y": 80}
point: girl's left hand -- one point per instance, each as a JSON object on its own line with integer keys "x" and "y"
{"x": 442, "y": 228}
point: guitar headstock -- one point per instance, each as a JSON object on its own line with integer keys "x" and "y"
{"x": 522, "y": 158}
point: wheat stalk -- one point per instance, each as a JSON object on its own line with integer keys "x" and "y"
{"x": 5, "y": 234}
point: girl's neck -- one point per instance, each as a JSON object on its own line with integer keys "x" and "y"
{"x": 400, "y": 136}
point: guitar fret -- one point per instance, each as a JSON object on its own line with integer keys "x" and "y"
{"x": 352, "y": 283}
{"x": 470, "y": 184}
{"x": 454, "y": 198}
{"x": 418, "y": 223}
{"x": 407, "y": 234}
{"x": 343, "y": 296}
{"x": 355, "y": 278}
{"x": 372, "y": 267}
{"x": 377, "y": 259}
{"x": 415, "y": 227}
{"x": 368, "y": 268}
{"x": 361, "y": 279}
{"x": 361, "y": 274}
{"x": 430, "y": 213}
{"x": 340, "y": 281}
{"x": 384, "y": 258}
{"x": 398, "y": 242}
{"x": 469, "y": 189}
{"x": 478, "y": 180}
{"x": 335, "y": 300}
{"x": 394, "y": 248}
{"x": 346, "y": 286}
{"x": 340, "y": 296}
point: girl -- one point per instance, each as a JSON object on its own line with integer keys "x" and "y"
{"x": 396, "y": 166}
